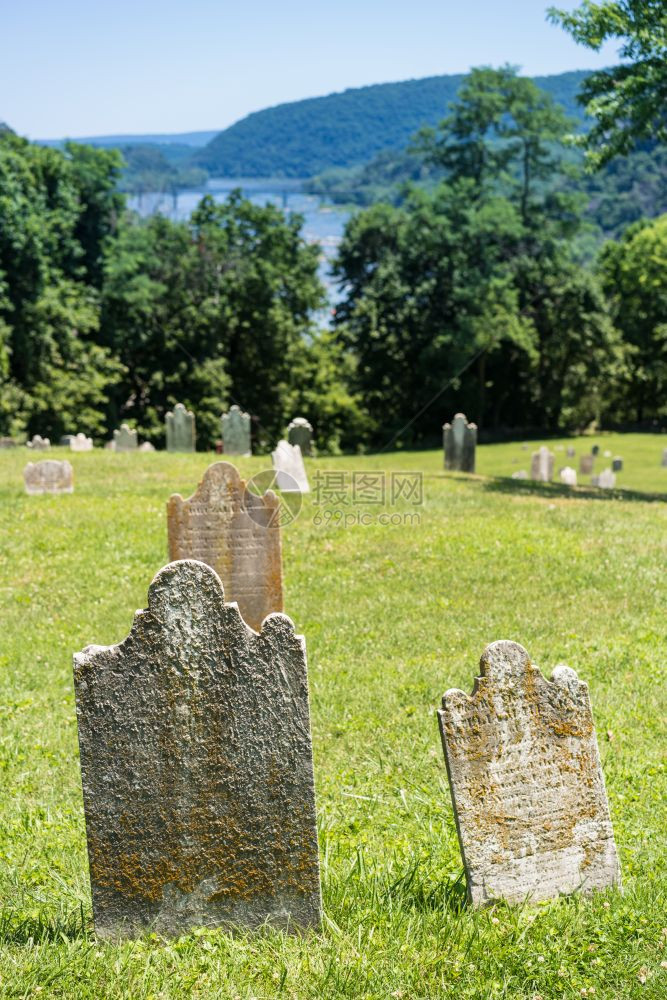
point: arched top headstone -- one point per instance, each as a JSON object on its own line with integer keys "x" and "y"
{"x": 196, "y": 764}
{"x": 300, "y": 432}
{"x": 526, "y": 781}
{"x": 459, "y": 442}
{"x": 236, "y": 432}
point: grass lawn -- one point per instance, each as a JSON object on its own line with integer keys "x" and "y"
{"x": 393, "y": 615}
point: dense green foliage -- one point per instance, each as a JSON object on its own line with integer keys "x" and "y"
{"x": 393, "y": 616}
{"x": 471, "y": 295}
{"x": 629, "y": 101}
{"x": 104, "y": 317}
{"x": 342, "y": 130}
{"x": 150, "y": 167}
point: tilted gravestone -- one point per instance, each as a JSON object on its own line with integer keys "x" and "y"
{"x": 542, "y": 465}
{"x": 197, "y": 769}
{"x": 48, "y": 476}
{"x": 237, "y": 533}
{"x": 586, "y": 465}
{"x": 568, "y": 476}
{"x": 617, "y": 464}
{"x": 79, "y": 442}
{"x": 125, "y": 439}
{"x": 38, "y": 443}
{"x": 290, "y": 470}
{"x": 236, "y": 432}
{"x": 606, "y": 480}
{"x": 300, "y": 432}
{"x": 459, "y": 441}
{"x": 526, "y": 782}
{"x": 180, "y": 428}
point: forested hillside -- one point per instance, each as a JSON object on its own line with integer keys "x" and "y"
{"x": 342, "y": 130}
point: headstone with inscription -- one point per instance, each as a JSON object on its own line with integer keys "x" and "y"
{"x": 79, "y": 442}
{"x": 180, "y": 427}
{"x": 197, "y": 768}
{"x": 526, "y": 782}
{"x": 236, "y": 432}
{"x": 586, "y": 465}
{"x": 48, "y": 476}
{"x": 617, "y": 464}
{"x": 125, "y": 439}
{"x": 38, "y": 443}
{"x": 459, "y": 441}
{"x": 237, "y": 533}
{"x": 290, "y": 471}
{"x": 300, "y": 432}
{"x": 542, "y": 465}
{"x": 568, "y": 476}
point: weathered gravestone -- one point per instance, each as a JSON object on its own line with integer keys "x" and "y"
{"x": 586, "y": 465}
{"x": 571, "y": 452}
{"x": 606, "y": 480}
{"x": 180, "y": 427}
{"x": 664, "y": 457}
{"x": 568, "y": 476}
{"x": 237, "y": 533}
{"x": 617, "y": 464}
{"x": 595, "y": 450}
{"x": 526, "y": 782}
{"x": 290, "y": 470}
{"x": 542, "y": 465}
{"x": 146, "y": 446}
{"x": 48, "y": 476}
{"x": 236, "y": 432}
{"x": 197, "y": 768}
{"x": 125, "y": 439}
{"x": 7, "y": 442}
{"x": 79, "y": 442}
{"x": 520, "y": 474}
{"x": 300, "y": 432}
{"x": 38, "y": 443}
{"x": 459, "y": 440}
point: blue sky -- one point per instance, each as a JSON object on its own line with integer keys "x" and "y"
{"x": 92, "y": 67}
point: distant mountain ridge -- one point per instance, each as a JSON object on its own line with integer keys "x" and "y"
{"x": 304, "y": 138}
{"x": 154, "y": 139}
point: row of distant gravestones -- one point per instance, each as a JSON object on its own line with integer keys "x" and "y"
{"x": 196, "y": 753}
{"x": 236, "y": 435}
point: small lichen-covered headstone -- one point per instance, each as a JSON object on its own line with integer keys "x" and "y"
{"x": 290, "y": 471}
{"x": 38, "y": 443}
{"x": 48, "y": 476}
{"x": 459, "y": 440}
{"x": 125, "y": 439}
{"x": 197, "y": 768}
{"x": 300, "y": 432}
{"x": 79, "y": 442}
{"x": 526, "y": 782}
{"x": 586, "y": 465}
{"x": 542, "y": 465}
{"x": 237, "y": 533}
{"x": 180, "y": 428}
{"x": 568, "y": 476}
{"x": 236, "y": 432}
{"x": 606, "y": 480}
{"x": 617, "y": 464}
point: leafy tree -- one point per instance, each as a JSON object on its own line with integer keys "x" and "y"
{"x": 634, "y": 276}
{"x": 628, "y": 101}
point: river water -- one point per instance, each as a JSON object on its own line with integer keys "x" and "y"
{"x": 323, "y": 223}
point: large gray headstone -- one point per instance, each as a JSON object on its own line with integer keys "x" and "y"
{"x": 459, "y": 441}
{"x": 526, "y": 782}
{"x": 180, "y": 427}
{"x": 542, "y": 465}
{"x": 38, "y": 443}
{"x": 197, "y": 769}
{"x": 237, "y": 533}
{"x": 125, "y": 439}
{"x": 290, "y": 470}
{"x": 79, "y": 442}
{"x": 586, "y": 465}
{"x": 300, "y": 432}
{"x": 236, "y": 432}
{"x": 48, "y": 476}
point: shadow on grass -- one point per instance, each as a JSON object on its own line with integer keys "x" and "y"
{"x": 530, "y": 487}
{"x": 16, "y": 928}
